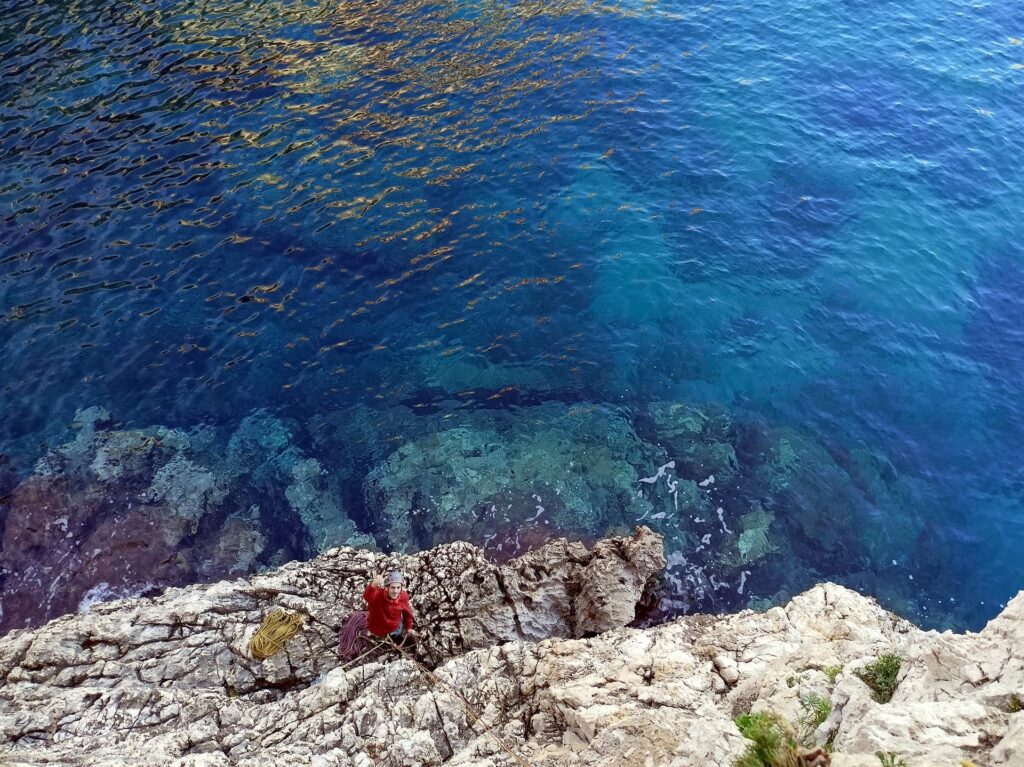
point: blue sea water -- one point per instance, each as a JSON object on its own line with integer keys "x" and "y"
{"x": 810, "y": 214}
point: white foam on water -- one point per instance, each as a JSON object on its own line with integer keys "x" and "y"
{"x": 721, "y": 518}
{"x": 673, "y": 488}
{"x": 661, "y": 473}
{"x": 103, "y": 592}
{"x": 743, "y": 581}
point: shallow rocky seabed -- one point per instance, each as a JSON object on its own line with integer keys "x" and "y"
{"x": 114, "y": 510}
{"x": 536, "y": 646}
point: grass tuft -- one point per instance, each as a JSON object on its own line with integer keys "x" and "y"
{"x": 774, "y": 744}
{"x": 773, "y": 741}
{"x": 881, "y": 675}
{"x": 890, "y": 759}
{"x": 832, "y": 673}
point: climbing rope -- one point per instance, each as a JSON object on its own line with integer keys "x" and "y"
{"x": 277, "y": 628}
{"x": 373, "y": 649}
{"x": 468, "y": 709}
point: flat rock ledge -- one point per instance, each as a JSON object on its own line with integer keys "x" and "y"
{"x": 536, "y": 648}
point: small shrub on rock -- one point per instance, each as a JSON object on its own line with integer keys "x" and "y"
{"x": 816, "y": 709}
{"x": 773, "y": 740}
{"x": 774, "y": 744}
{"x": 881, "y": 675}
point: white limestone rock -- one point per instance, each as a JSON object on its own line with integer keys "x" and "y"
{"x": 171, "y": 678}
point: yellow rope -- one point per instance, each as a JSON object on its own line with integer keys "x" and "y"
{"x": 277, "y": 628}
{"x": 465, "y": 705}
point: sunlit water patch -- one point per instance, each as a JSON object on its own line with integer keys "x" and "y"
{"x": 280, "y": 276}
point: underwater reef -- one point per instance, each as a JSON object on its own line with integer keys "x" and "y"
{"x": 123, "y": 511}
{"x": 751, "y": 513}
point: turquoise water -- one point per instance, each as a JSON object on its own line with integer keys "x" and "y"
{"x": 386, "y": 222}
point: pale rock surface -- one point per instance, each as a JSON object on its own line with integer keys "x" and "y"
{"x": 168, "y": 681}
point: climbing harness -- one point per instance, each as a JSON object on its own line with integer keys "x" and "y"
{"x": 468, "y": 709}
{"x": 277, "y": 628}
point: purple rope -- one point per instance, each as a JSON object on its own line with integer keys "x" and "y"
{"x": 352, "y": 639}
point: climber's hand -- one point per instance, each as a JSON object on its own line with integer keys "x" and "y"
{"x": 378, "y": 581}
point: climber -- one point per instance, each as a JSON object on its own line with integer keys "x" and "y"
{"x": 389, "y": 613}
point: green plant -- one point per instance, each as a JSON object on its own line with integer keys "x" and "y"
{"x": 890, "y": 759}
{"x": 832, "y": 673}
{"x": 774, "y": 744}
{"x": 773, "y": 741}
{"x": 1014, "y": 704}
{"x": 881, "y": 675}
{"x": 816, "y": 709}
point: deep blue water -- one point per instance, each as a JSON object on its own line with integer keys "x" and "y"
{"x": 810, "y": 214}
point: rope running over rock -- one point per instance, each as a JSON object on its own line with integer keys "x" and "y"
{"x": 468, "y": 709}
{"x": 278, "y": 627}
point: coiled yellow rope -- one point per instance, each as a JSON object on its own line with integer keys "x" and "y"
{"x": 277, "y": 628}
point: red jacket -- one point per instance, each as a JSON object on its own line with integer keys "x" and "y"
{"x": 385, "y": 615}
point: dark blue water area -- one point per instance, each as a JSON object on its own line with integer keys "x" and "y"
{"x": 806, "y": 217}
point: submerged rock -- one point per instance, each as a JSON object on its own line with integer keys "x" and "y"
{"x": 505, "y": 481}
{"x": 170, "y": 677}
{"x": 749, "y": 512}
{"x": 779, "y": 509}
{"x": 116, "y": 512}
{"x": 700, "y": 439}
{"x": 314, "y": 498}
{"x": 754, "y": 542}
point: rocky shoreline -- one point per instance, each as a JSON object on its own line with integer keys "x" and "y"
{"x": 538, "y": 648}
